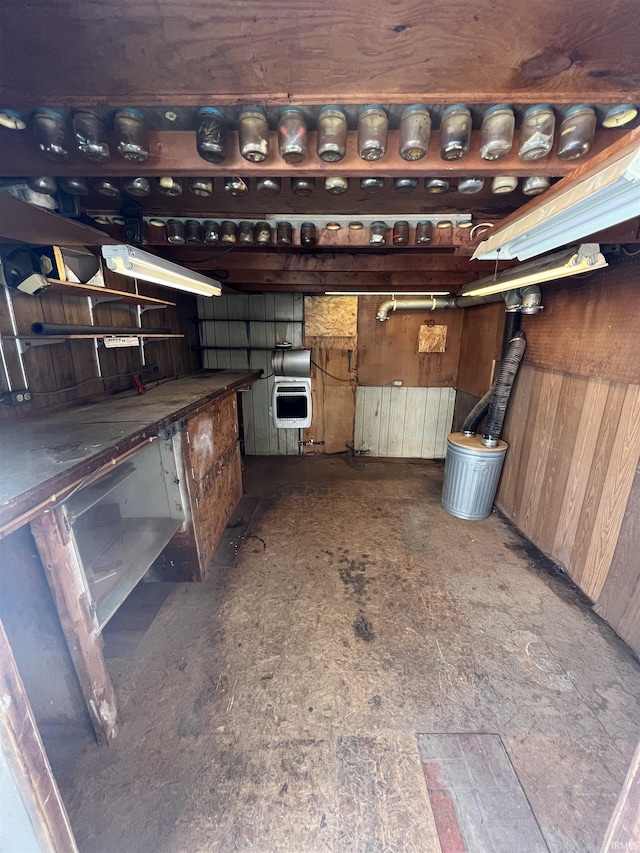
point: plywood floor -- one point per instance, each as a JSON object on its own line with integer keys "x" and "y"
{"x": 277, "y": 706}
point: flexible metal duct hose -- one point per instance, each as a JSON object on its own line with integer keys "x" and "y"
{"x": 471, "y": 422}
{"x": 502, "y": 389}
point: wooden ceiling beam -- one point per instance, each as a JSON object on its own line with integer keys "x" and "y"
{"x": 29, "y": 223}
{"x": 349, "y": 280}
{"x": 407, "y": 261}
{"x": 174, "y": 153}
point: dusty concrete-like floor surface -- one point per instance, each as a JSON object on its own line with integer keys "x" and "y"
{"x": 276, "y": 706}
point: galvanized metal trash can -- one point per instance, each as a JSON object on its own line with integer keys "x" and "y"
{"x": 471, "y": 475}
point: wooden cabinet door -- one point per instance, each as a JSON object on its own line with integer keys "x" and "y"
{"x": 211, "y": 432}
{"x": 217, "y": 496}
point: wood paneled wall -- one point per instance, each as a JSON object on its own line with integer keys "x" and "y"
{"x": 389, "y": 350}
{"x": 574, "y": 446}
{"x": 570, "y": 479}
{"x": 480, "y": 347}
{"x": 412, "y": 423}
{"x": 74, "y": 363}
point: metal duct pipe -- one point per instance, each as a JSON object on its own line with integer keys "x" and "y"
{"x": 433, "y": 304}
{"x": 514, "y": 301}
{"x": 501, "y": 390}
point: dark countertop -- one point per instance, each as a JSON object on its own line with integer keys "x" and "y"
{"x": 44, "y": 455}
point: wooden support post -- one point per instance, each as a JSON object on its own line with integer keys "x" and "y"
{"x": 64, "y": 574}
{"x": 23, "y": 750}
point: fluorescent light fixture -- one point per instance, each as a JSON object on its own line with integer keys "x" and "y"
{"x": 585, "y": 258}
{"x": 387, "y": 293}
{"x": 131, "y": 261}
{"x": 601, "y": 199}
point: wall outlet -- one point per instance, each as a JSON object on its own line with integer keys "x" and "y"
{"x": 17, "y": 397}
{"x": 398, "y": 383}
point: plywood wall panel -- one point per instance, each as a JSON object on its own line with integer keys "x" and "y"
{"x": 333, "y": 375}
{"x": 389, "y": 350}
{"x": 480, "y": 347}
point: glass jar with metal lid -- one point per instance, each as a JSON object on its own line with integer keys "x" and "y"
{"x": 469, "y": 186}
{"x": 455, "y": 132}
{"x": 536, "y": 132}
{"x": 193, "y": 231}
{"x": 175, "y": 232}
{"x": 496, "y": 136}
{"x": 211, "y": 134}
{"x": 620, "y": 115}
{"x": 211, "y": 231}
{"x": 336, "y": 185}
{"x": 269, "y": 186}
{"x": 303, "y": 186}
{"x": 45, "y": 185}
{"x": 138, "y": 187}
{"x": 107, "y": 186}
{"x": 308, "y": 235}
{"x": 235, "y": 186}
{"x": 170, "y": 186}
{"x": 435, "y": 186}
{"x": 132, "y": 135}
{"x": 245, "y": 233}
{"x": 331, "y": 137}
{"x": 371, "y": 185}
{"x": 405, "y": 185}
{"x": 373, "y": 128}
{"x": 292, "y": 135}
{"x": 253, "y": 134}
{"x": 503, "y": 184}
{"x": 415, "y": 132}
{"x": 576, "y": 132}
{"x": 424, "y": 232}
{"x": 400, "y": 232}
{"x": 90, "y": 132}
{"x": 74, "y": 186}
{"x": 284, "y": 234}
{"x": 262, "y": 232}
{"x": 52, "y": 136}
{"x": 535, "y": 185}
{"x": 378, "y": 233}
{"x": 228, "y": 232}
{"x": 202, "y": 187}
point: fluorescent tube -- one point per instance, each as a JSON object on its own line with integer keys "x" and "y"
{"x": 134, "y": 262}
{"x": 585, "y": 258}
{"x": 607, "y": 197}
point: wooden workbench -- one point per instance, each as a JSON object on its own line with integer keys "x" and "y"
{"x": 48, "y": 462}
{"x": 42, "y": 458}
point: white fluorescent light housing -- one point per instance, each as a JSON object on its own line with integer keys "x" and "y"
{"x": 387, "y": 293}
{"x": 583, "y": 259}
{"x": 607, "y": 197}
{"x": 134, "y": 262}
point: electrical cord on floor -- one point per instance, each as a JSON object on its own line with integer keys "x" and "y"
{"x": 350, "y": 460}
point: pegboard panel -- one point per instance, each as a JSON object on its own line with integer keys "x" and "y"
{"x": 589, "y": 327}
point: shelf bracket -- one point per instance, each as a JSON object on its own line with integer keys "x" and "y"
{"x": 25, "y": 344}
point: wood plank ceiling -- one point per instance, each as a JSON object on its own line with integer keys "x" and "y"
{"x": 169, "y": 60}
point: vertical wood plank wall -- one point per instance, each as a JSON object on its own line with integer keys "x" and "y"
{"x": 241, "y": 332}
{"x": 406, "y": 422}
{"x": 78, "y": 364}
{"x": 570, "y": 480}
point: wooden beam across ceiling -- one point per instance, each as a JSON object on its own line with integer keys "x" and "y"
{"x": 29, "y": 223}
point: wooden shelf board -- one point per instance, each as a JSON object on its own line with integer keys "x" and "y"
{"x": 73, "y": 288}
